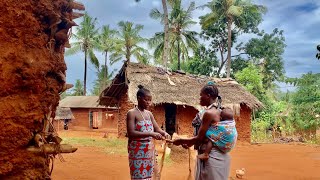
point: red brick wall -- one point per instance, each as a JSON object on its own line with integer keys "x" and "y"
{"x": 243, "y": 124}
{"x": 110, "y": 122}
{"x": 81, "y": 120}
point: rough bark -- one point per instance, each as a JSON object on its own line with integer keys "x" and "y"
{"x": 32, "y": 74}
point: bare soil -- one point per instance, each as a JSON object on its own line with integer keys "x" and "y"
{"x": 262, "y": 161}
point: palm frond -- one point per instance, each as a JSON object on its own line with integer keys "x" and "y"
{"x": 157, "y": 39}
{"x": 156, "y": 14}
{"x": 235, "y": 10}
{"x": 93, "y": 59}
{"x": 75, "y": 48}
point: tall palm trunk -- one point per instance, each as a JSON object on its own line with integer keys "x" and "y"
{"x": 128, "y": 54}
{"x": 105, "y": 74}
{"x": 85, "y": 72}
{"x": 166, "y": 34}
{"x": 32, "y": 75}
{"x": 179, "y": 63}
{"x": 229, "y": 47}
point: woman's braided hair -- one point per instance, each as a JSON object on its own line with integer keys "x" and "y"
{"x": 211, "y": 89}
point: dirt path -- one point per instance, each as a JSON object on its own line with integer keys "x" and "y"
{"x": 274, "y": 161}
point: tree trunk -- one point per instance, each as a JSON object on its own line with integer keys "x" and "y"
{"x": 166, "y": 34}
{"x": 32, "y": 76}
{"x": 85, "y": 72}
{"x": 179, "y": 63}
{"x": 128, "y": 54}
{"x": 221, "y": 66}
{"x": 229, "y": 48}
{"x": 105, "y": 74}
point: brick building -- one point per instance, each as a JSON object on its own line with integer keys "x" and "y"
{"x": 85, "y": 114}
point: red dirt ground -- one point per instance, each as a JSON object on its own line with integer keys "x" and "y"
{"x": 266, "y": 161}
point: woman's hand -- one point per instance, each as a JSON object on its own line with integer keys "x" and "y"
{"x": 186, "y": 146}
{"x": 177, "y": 142}
{"x": 167, "y": 136}
{"x": 156, "y": 135}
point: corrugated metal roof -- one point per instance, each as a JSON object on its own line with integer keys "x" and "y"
{"x": 80, "y": 102}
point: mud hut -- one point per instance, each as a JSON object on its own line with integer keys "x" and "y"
{"x": 63, "y": 116}
{"x": 175, "y": 97}
{"x": 88, "y": 114}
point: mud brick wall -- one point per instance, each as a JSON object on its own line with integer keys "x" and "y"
{"x": 125, "y": 106}
{"x": 243, "y": 124}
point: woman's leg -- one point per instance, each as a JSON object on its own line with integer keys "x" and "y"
{"x": 205, "y": 154}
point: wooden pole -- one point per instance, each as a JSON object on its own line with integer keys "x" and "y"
{"x": 163, "y": 156}
{"x": 52, "y": 149}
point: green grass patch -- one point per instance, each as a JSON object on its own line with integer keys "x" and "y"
{"x": 261, "y": 137}
{"x": 167, "y": 160}
{"x": 109, "y": 145}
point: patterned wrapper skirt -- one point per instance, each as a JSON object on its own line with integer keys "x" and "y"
{"x": 141, "y": 159}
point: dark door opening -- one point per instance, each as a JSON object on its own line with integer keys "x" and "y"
{"x": 170, "y": 114}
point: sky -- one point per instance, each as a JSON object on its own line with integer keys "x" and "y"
{"x": 300, "y": 20}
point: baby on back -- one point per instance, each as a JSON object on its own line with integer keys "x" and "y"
{"x": 222, "y": 134}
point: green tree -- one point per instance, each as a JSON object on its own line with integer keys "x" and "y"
{"x": 267, "y": 52}
{"x": 217, "y": 34}
{"x": 203, "y": 62}
{"x": 238, "y": 64}
{"x": 85, "y": 37}
{"x": 306, "y": 102}
{"x": 78, "y": 89}
{"x": 242, "y": 14}
{"x": 102, "y": 81}
{"x": 181, "y": 40}
{"x": 251, "y": 79}
{"x": 106, "y": 43}
{"x": 128, "y": 43}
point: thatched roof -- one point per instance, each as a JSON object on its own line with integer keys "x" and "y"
{"x": 81, "y": 102}
{"x": 63, "y": 113}
{"x": 177, "y": 88}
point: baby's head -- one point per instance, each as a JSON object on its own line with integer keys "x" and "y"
{"x": 226, "y": 114}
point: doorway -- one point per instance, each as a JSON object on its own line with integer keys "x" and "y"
{"x": 170, "y": 115}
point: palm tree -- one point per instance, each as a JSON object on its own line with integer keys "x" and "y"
{"x": 106, "y": 43}
{"x": 232, "y": 12}
{"x": 78, "y": 89}
{"x": 128, "y": 43}
{"x": 85, "y": 41}
{"x": 180, "y": 39}
{"x": 103, "y": 80}
{"x": 166, "y": 32}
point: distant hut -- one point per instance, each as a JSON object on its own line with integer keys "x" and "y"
{"x": 86, "y": 113}
{"x": 63, "y": 115}
{"x": 175, "y": 97}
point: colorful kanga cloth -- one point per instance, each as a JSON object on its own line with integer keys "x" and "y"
{"x": 223, "y": 134}
{"x": 142, "y": 153}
